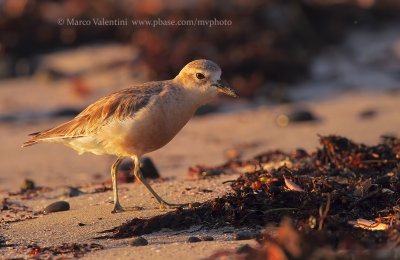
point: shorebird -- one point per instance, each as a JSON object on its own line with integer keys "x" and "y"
{"x": 140, "y": 119}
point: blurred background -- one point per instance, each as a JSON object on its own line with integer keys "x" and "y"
{"x": 270, "y": 47}
{"x": 55, "y": 59}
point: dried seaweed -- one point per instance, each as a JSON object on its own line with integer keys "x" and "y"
{"x": 342, "y": 181}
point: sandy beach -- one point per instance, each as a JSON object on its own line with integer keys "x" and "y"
{"x": 204, "y": 141}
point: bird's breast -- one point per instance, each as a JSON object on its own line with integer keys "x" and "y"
{"x": 153, "y": 126}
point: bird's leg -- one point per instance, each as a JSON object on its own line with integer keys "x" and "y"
{"x": 138, "y": 174}
{"x": 114, "y": 170}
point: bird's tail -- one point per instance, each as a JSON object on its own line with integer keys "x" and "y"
{"x": 34, "y": 139}
{"x": 50, "y": 135}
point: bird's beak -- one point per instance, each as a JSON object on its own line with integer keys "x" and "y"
{"x": 224, "y": 88}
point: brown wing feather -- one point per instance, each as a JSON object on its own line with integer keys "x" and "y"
{"x": 119, "y": 105}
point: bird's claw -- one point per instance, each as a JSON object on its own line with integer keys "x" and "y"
{"x": 117, "y": 208}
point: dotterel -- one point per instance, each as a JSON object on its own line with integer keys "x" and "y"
{"x": 140, "y": 119}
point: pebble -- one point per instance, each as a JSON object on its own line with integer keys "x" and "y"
{"x": 294, "y": 117}
{"x": 245, "y": 235}
{"x": 125, "y": 177}
{"x": 139, "y": 241}
{"x": 193, "y": 239}
{"x": 207, "y": 238}
{"x": 28, "y": 185}
{"x": 243, "y": 249}
{"x": 56, "y": 206}
{"x": 148, "y": 168}
{"x": 211, "y": 173}
{"x": 125, "y": 166}
{"x": 301, "y": 116}
{"x": 73, "y": 192}
{"x": 367, "y": 114}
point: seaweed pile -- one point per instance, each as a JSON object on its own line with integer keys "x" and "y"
{"x": 343, "y": 189}
{"x": 289, "y": 243}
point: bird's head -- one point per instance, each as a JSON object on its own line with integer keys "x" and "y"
{"x": 204, "y": 75}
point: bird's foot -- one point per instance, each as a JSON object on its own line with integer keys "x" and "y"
{"x": 165, "y": 205}
{"x": 117, "y": 208}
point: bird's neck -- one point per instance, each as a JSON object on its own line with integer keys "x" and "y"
{"x": 197, "y": 96}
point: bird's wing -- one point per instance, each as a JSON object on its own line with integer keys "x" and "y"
{"x": 120, "y": 105}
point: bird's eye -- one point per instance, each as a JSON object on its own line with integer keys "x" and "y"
{"x": 200, "y": 76}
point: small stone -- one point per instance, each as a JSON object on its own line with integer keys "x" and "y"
{"x": 245, "y": 235}
{"x": 28, "y": 185}
{"x": 125, "y": 177}
{"x": 244, "y": 249}
{"x": 139, "y": 241}
{"x": 211, "y": 173}
{"x": 148, "y": 168}
{"x": 207, "y": 238}
{"x": 5, "y": 204}
{"x": 74, "y": 192}
{"x": 81, "y": 224}
{"x": 125, "y": 166}
{"x": 193, "y": 239}
{"x": 56, "y": 206}
{"x": 367, "y": 114}
{"x": 295, "y": 117}
{"x": 301, "y": 116}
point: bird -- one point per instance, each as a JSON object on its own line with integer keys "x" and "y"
{"x": 140, "y": 119}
